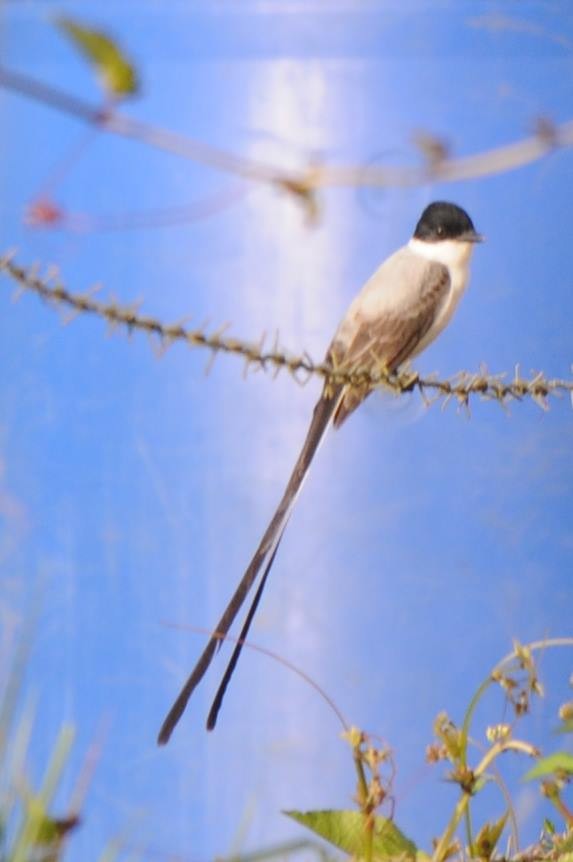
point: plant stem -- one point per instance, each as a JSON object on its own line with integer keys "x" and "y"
{"x": 460, "y": 810}
{"x": 362, "y": 797}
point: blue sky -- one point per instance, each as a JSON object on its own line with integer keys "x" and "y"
{"x": 134, "y": 489}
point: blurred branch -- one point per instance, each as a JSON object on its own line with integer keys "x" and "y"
{"x": 461, "y": 387}
{"x": 110, "y": 120}
{"x": 547, "y": 137}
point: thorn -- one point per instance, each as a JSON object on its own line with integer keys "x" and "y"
{"x": 7, "y": 258}
{"x": 434, "y": 149}
{"x": 210, "y": 362}
{"x": 546, "y": 132}
{"x": 247, "y": 364}
{"x": 259, "y": 348}
{"x": 158, "y": 345}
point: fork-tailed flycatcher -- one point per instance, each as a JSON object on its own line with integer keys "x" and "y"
{"x": 400, "y": 310}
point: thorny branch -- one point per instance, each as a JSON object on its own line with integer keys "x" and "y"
{"x": 438, "y": 165}
{"x": 460, "y": 387}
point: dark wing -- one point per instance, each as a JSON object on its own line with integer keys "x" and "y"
{"x": 388, "y": 339}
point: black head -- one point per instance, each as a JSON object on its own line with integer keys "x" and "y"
{"x": 442, "y": 220}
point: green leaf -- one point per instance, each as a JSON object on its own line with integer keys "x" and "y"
{"x": 566, "y": 846}
{"x": 51, "y": 830}
{"x": 346, "y": 830}
{"x": 118, "y": 75}
{"x": 487, "y": 838}
{"x": 561, "y": 761}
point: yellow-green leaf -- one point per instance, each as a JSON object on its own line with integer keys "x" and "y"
{"x": 53, "y": 829}
{"x": 116, "y": 72}
{"x": 561, "y": 761}
{"x": 346, "y": 830}
{"x": 488, "y": 836}
{"x": 565, "y": 846}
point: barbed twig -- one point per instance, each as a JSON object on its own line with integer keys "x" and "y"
{"x": 460, "y": 387}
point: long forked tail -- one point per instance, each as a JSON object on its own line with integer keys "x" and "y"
{"x": 323, "y": 413}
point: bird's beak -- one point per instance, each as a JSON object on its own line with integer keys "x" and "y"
{"x": 472, "y": 236}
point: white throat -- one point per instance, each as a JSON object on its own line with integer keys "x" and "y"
{"x": 452, "y": 253}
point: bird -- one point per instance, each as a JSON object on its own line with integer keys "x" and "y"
{"x": 400, "y": 310}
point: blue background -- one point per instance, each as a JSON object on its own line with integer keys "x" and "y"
{"x": 133, "y": 490}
